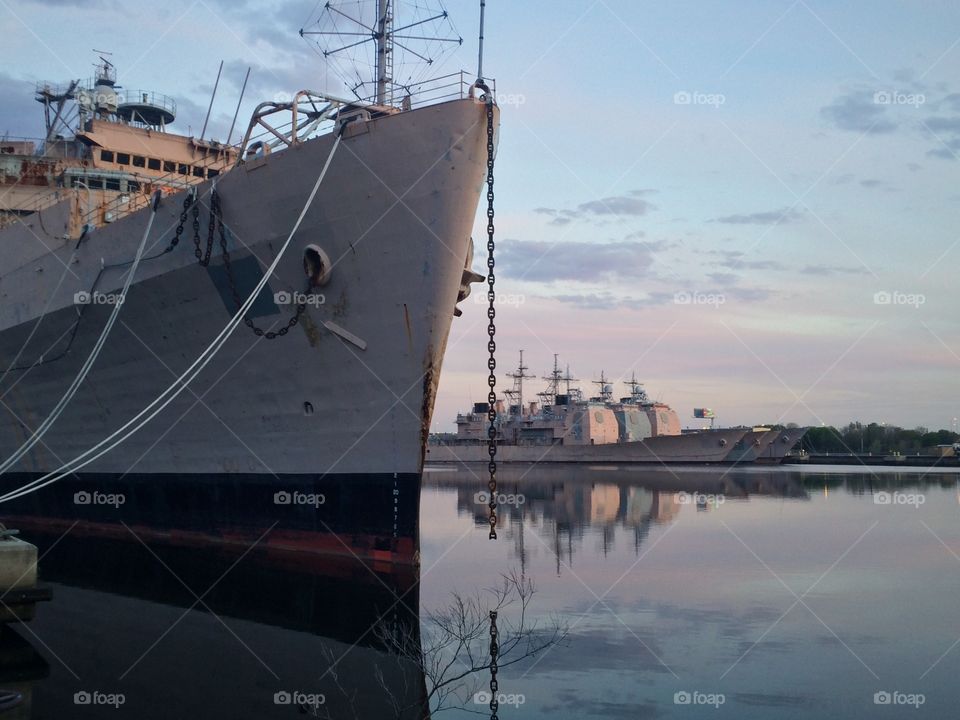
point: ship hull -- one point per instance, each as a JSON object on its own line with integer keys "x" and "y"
{"x": 712, "y": 446}
{"x": 785, "y": 441}
{"x": 346, "y": 396}
{"x": 752, "y": 445}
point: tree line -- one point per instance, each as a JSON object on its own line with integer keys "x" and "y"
{"x": 875, "y": 438}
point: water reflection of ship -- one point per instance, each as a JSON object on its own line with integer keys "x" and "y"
{"x": 563, "y": 504}
{"x": 272, "y": 622}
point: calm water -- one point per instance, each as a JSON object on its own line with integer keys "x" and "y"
{"x": 689, "y": 593}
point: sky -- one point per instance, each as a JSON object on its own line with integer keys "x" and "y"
{"x": 751, "y": 205}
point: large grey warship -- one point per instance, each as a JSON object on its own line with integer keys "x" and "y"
{"x": 566, "y": 427}
{"x": 327, "y": 394}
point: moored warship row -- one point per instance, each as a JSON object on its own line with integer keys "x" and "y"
{"x": 567, "y": 427}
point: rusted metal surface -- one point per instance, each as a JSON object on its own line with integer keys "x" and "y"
{"x": 426, "y": 409}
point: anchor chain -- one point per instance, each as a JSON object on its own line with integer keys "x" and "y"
{"x": 268, "y": 334}
{"x": 203, "y": 258}
{"x": 214, "y": 225}
{"x": 187, "y": 204}
{"x": 494, "y": 656}
{"x": 491, "y": 316}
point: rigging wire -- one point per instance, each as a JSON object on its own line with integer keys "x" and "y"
{"x": 173, "y": 391}
{"x": 91, "y": 358}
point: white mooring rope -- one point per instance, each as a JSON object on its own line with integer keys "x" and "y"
{"x": 91, "y": 359}
{"x": 162, "y": 401}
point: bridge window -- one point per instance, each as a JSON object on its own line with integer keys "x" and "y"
{"x": 139, "y": 161}
{"x": 211, "y": 173}
{"x": 198, "y": 172}
{"x": 112, "y": 184}
{"x": 169, "y": 166}
{"x": 106, "y": 155}
{"x": 183, "y": 169}
{"x": 153, "y": 163}
{"x": 123, "y": 159}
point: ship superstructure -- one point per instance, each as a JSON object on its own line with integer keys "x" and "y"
{"x": 107, "y": 164}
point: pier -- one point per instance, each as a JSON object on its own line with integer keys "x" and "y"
{"x": 19, "y": 592}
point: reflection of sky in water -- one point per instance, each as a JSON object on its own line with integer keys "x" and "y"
{"x": 664, "y": 596}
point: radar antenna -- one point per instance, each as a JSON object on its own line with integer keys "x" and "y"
{"x": 638, "y": 394}
{"x": 344, "y": 26}
{"x": 606, "y": 390}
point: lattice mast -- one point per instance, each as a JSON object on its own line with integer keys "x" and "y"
{"x": 386, "y": 37}
{"x": 516, "y": 393}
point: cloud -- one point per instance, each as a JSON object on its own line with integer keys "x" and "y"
{"x": 73, "y": 3}
{"x": 874, "y": 184}
{"x": 611, "y": 301}
{"x": 952, "y": 101}
{"x": 723, "y": 278}
{"x": 910, "y": 109}
{"x": 826, "y": 270}
{"x": 857, "y": 111}
{"x": 632, "y": 204}
{"x": 577, "y": 260}
{"x": 783, "y": 216}
{"x": 735, "y": 260}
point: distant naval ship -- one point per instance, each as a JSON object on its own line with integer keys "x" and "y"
{"x": 566, "y": 427}
{"x": 313, "y": 416}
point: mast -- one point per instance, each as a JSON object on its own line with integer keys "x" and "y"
{"x": 637, "y": 393}
{"x": 384, "y": 40}
{"x": 568, "y": 378}
{"x": 604, "y": 390}
{"x": 341, "y": 27}
{"x": 549, "y": 396}
{"x": 518, "y": 377}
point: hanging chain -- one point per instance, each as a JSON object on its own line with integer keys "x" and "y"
{"x": 203, "y": 257}
{"x": 268, "y": 334}
{"x": 494, "y": 655}
{"x": 187, "y": 204}
{"x": 491, "y": 326}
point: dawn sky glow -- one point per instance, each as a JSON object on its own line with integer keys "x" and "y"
{"x": 752, "y": 205}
